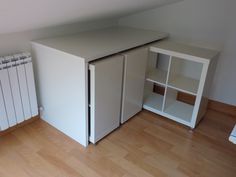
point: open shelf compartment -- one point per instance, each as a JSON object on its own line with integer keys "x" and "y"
{"x": 153, "y": 101}
{"x": 185, "y": 75}
{"x": 157, "y": 68}
{"x": 180, "y": 111}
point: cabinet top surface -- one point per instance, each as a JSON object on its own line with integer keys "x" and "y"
{"x": 96, "y": 44}
{"x": 171, "y": 46}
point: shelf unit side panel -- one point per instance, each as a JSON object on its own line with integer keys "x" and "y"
{"x": 201, "y": 102}
{"x": 207, "y": 86}
{"x": 210, "y": 75}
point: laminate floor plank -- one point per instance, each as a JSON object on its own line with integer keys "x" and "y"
{"x": 147, "y": 145}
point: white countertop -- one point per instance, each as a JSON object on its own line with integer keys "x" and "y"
{"x": 95, "y": 44}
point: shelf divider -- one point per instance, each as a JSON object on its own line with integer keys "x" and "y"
{"x": 167, "y": 79}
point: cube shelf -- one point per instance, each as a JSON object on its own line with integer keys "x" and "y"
{"x": 179, "y": 68}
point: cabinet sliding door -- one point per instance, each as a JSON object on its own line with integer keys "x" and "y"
{"x": 134, "y": 80}
{"x": 105, "y": 96}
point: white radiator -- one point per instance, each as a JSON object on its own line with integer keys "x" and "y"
{"x": 18, "y": 100}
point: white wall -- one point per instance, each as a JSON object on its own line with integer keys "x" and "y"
{"x": 18, "y": 42}
{"x": 207, "y": 23}
{"x": 24, "y": 15}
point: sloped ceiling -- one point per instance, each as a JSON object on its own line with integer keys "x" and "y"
{"x": 22, "y": 15}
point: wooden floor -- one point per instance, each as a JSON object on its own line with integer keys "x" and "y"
{"x": 147, "y": 145}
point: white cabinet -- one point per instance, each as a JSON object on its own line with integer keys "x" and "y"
{"x": 62, "y": 65}
{"x": 105, "y": 96}
{"x": 133, "y": 83}
{"x": 179, "y": 68}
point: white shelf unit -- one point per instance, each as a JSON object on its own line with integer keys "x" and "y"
{"x": 179, "y": 68}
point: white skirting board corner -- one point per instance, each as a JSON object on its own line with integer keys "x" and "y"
{"x": 232, "y": 136}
